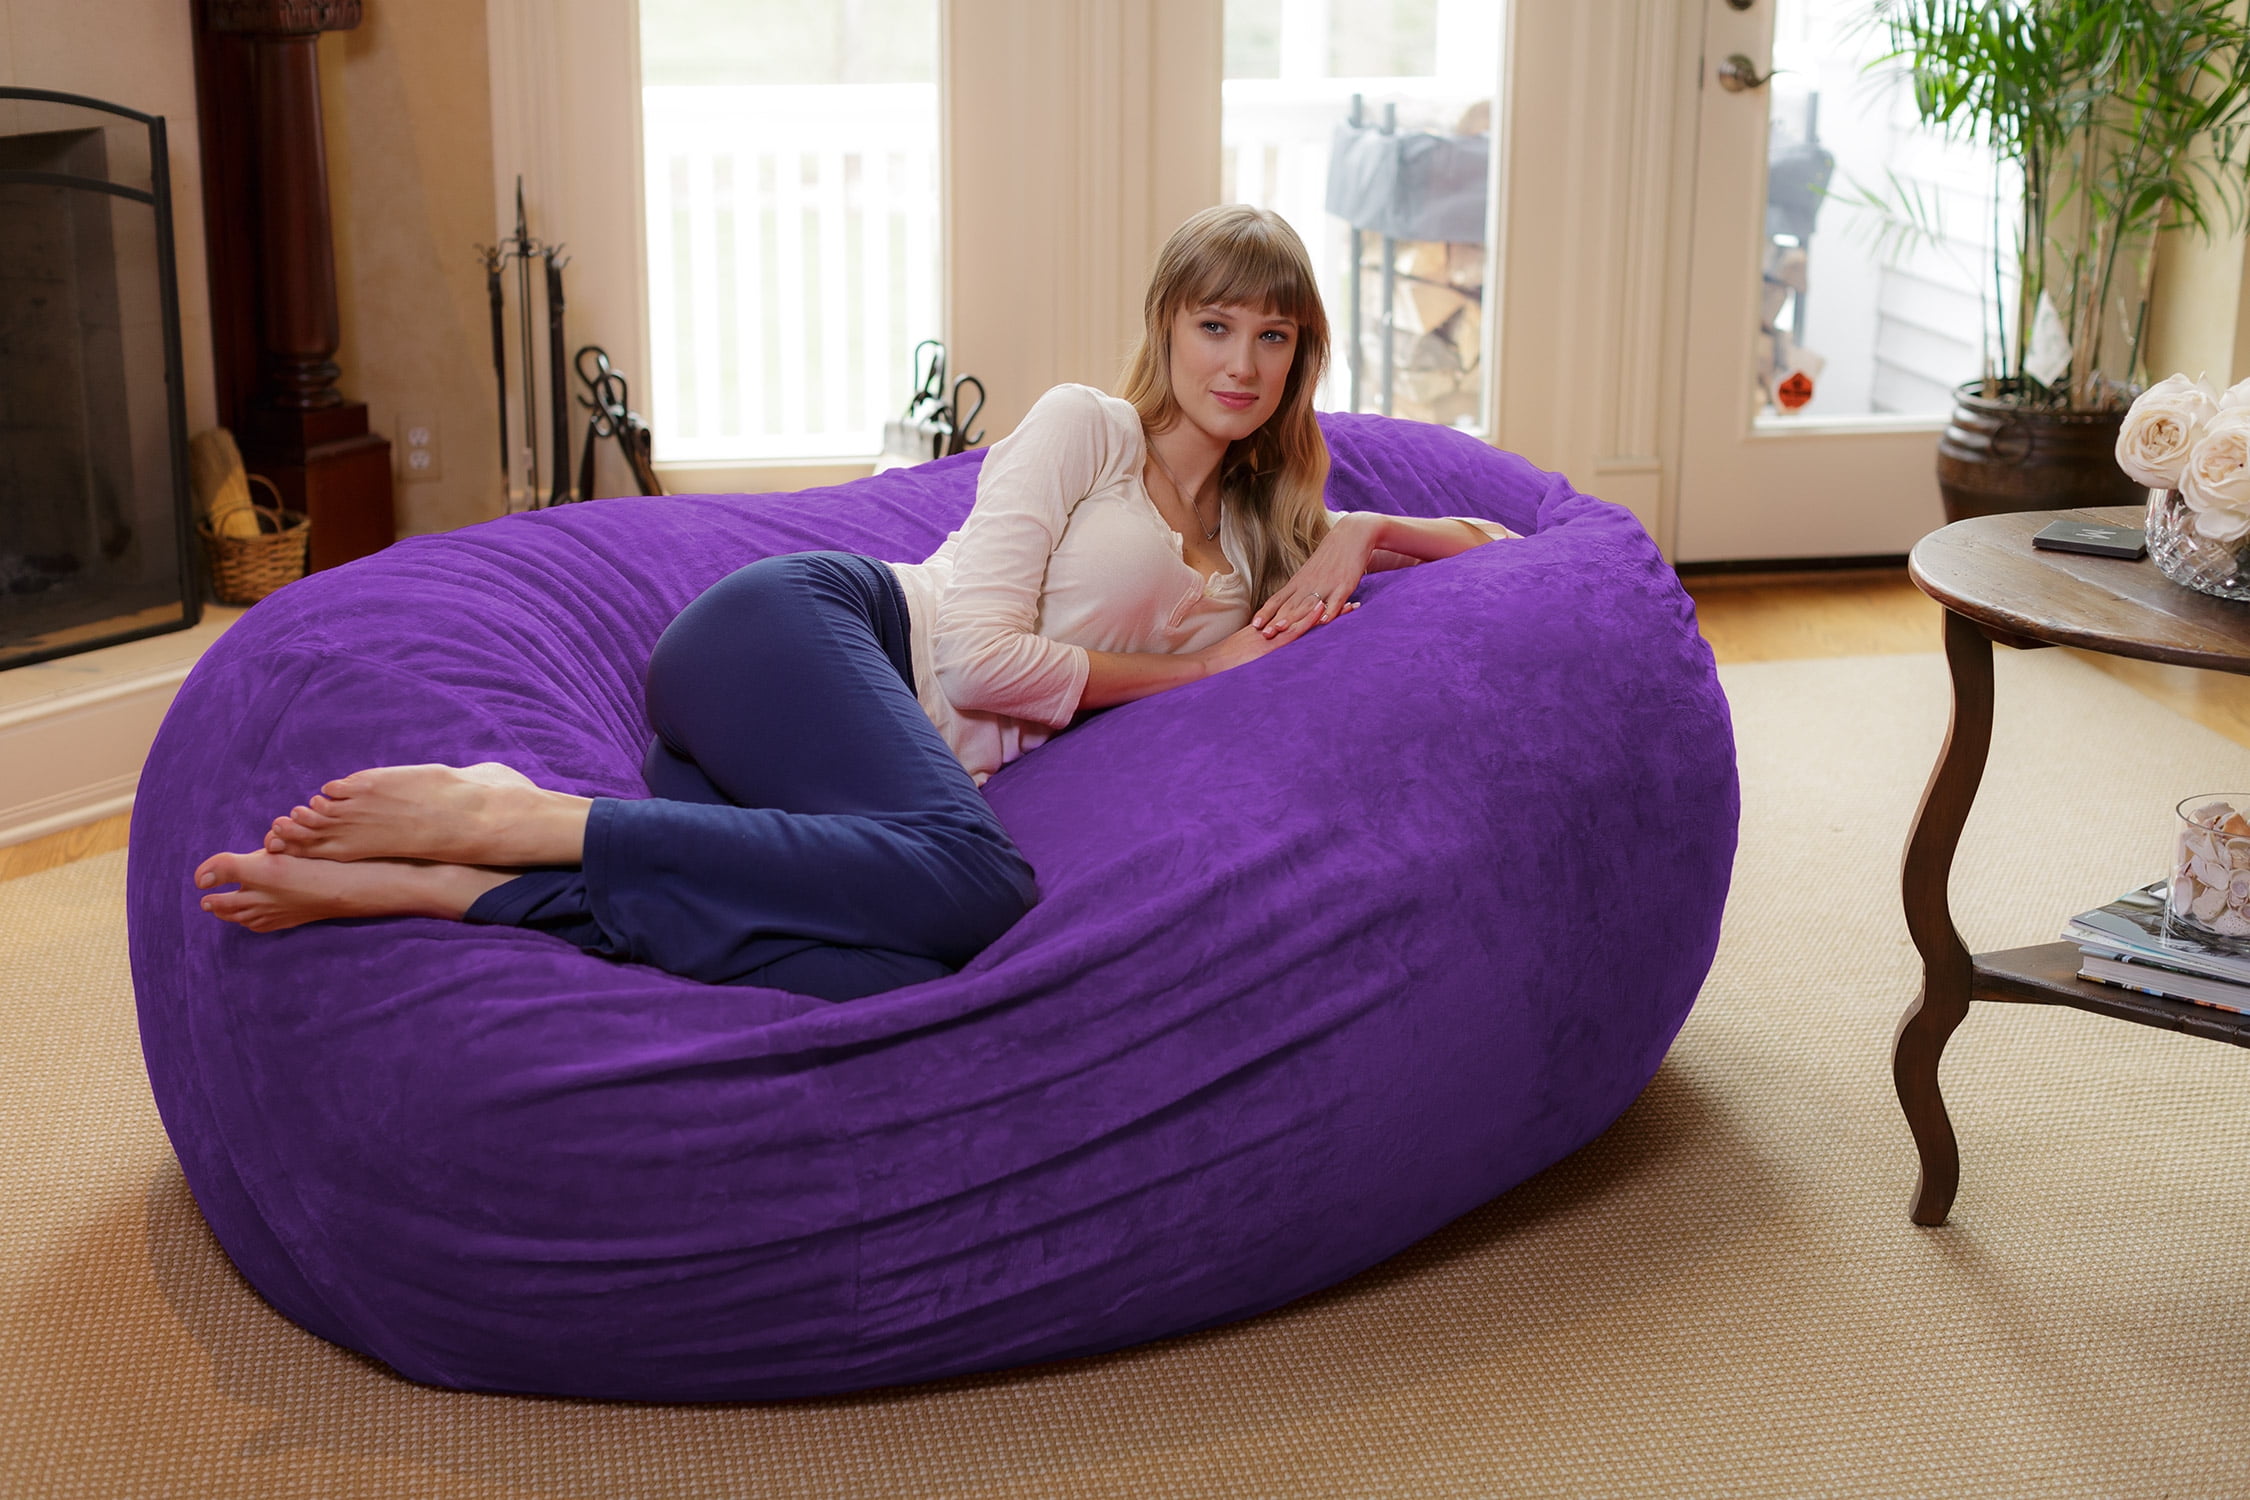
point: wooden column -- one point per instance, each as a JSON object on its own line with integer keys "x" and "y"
{"x": 274, "y": 265}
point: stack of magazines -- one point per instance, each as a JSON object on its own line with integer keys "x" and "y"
{"x": 2131, "y": 943}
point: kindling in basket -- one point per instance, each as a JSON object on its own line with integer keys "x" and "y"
{"x": 245, "y": 569}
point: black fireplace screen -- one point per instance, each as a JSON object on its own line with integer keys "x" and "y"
{"x": 95, "y": 541}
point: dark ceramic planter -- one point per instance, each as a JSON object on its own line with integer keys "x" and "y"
{"x": 1996, "y": 456}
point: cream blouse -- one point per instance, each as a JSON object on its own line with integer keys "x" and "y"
{"x": 1064, "y": 553}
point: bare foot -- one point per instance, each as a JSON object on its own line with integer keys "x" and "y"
{"x": 280, "y": 890}
{"x": 486, "y": 814}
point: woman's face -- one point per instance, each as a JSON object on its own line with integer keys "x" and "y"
{"x": 1229, "y": 367}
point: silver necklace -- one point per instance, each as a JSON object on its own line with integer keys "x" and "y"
{"x": 1195, "y": 508}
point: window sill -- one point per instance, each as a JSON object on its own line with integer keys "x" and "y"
{"x": 760, "y": 476}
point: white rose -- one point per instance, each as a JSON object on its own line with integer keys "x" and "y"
{"x": 2237, "y": 394}
{"x": 2152, "y": 446}
{"x": 2215, "y": 481}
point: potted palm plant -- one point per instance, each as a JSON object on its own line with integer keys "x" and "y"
{"x": 2119, "y": 118}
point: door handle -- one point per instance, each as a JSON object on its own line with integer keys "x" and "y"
{"x": 1738, "y": 73}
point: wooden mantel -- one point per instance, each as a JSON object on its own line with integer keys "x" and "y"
{"x": 273, "y": 269}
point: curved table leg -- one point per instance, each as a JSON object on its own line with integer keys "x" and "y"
{"x": 1947, "y": 970}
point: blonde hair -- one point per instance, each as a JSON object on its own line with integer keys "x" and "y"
{"x": 1238, "y": 256}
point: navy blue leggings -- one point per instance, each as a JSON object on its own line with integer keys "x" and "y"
{"x": 809, "y": 830}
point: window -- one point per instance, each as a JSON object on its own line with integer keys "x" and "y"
{"x": 1424, "y": 70}
{"x": 792, "y": 161}
{"x": 1877, "y": 255}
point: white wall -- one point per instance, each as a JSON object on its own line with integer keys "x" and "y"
{"x": 407, "y": 123}
{"x": 2199, "y": 307}
{"x": 565, "y": 102}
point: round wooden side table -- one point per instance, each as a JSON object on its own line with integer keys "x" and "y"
{"x": 1996, "y": 587}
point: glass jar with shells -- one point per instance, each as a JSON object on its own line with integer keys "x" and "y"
{"x": 2210, "y": 890}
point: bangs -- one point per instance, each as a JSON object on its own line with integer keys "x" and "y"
{"x": 1233, "y": 255}
{"x": 1252, "y": 267}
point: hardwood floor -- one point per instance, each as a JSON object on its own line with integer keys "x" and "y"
{"x": 1769, "y": 617}
{"x": 1750, "y": 617}
{"x": 1787, "y": 616}
{"x": 83, "y": 842}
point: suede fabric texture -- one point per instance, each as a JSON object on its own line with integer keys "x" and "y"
{"x": 1332, "y": 948}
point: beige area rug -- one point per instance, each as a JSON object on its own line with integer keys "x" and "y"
{"x": 1722, "y": 1296}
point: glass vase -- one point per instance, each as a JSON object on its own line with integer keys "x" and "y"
{"x": 2209, "y": 892}
{"x": 2188, "y": 557}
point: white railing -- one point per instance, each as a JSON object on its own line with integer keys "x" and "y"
{"x": 793, "y": 263}
{"x": 793, "y": 236}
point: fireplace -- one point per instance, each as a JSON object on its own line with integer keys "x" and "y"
{"x": 95, "y": 540}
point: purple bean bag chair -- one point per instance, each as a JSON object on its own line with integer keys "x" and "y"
{"x": 1333, "y": 948}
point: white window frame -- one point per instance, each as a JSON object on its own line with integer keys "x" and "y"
{"x": 1077, "y": 133}
{"x": 1075, "y": 136}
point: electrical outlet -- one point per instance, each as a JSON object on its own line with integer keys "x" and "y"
{"x": 418, "y": 447}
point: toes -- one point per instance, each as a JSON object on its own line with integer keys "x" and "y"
{"x": 234, "y": 906}
{"x": 249, "y": 913}
{"x": 318, "y": 818}
{"x": 219, "y": 869}
{"x": 290, "y": 835}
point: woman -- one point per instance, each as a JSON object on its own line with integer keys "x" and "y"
{"x": 824, "y": 720}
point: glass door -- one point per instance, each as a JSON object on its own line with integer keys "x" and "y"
{"x": 1841, "y": 286}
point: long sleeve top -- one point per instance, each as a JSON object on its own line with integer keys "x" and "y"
{"x": 1063, "y": 553}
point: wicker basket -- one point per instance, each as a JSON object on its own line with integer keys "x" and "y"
{"x": 244, "y": 569}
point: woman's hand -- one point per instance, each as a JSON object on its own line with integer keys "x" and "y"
{"x": 1320, "y": 590}
{"x": 1251, "y": 642}
{"x": 1123, "y": 676}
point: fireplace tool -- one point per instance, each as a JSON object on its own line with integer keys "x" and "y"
{"x": 933, "y": 425}
{"x": 519, "y": 250}
{"x": 611, "y": 416}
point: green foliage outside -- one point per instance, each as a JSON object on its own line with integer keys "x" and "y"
{"x": 2125, "y": 117}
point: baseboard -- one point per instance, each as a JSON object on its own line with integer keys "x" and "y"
{"x": 1790, "y": 569}
{"x": 81, "y": 805}
{"x": 73, "y": 758}
{"x": 75, "y": 731}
